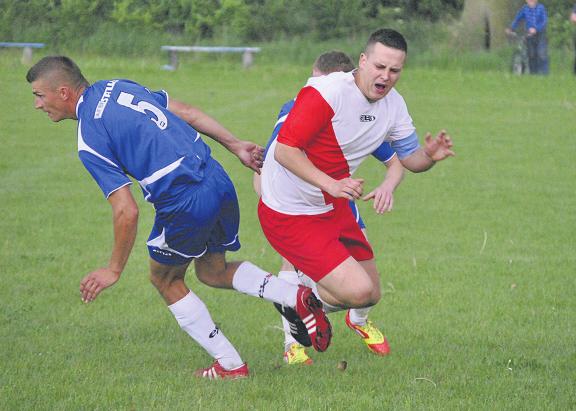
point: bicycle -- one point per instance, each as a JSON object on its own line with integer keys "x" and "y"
{"x": 519, "y": 64}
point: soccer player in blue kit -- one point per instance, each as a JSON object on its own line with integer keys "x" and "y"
{"x": 356, "y": 319}
{"x": 124, "y": 129}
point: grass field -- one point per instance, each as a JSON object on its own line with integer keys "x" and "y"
{"x": 477, "y": 259}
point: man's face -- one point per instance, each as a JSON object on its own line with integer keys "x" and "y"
{"x": 531, "y": 3}
{"x": 51, "y": 100}
{"x": 378, "y": 71}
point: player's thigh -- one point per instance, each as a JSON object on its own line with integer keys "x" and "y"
{"x": 169, "y": 280}
{"x": 286, "y": 265}
{"x": 167, "y": 273}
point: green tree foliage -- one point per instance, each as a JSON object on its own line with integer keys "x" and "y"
{"x": 106, "y": 23}
{"x": 433, "y": 9}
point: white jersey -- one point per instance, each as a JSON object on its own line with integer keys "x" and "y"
{"x": 334, "y": 124}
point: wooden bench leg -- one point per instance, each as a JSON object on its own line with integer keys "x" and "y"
{"x": 247, "y": 59}
{"x": 27, "y": 56}
{"x": 173, "y": 61}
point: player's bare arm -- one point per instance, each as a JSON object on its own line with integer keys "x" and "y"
{"x": 435, "y": 149}
{"x": 383, "y": 194}
{"x": 250, "y": 154}
{"x": 296, "y": 161}
{"x": 125, "y": 219}
{"x": 257, "y": 184}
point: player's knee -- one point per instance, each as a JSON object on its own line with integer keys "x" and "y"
{"x": 363, "y": 296}
{"x": 159, "y": 282}
{"x": 162, "y": 281}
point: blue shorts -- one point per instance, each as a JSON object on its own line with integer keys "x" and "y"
{"x": 204, "y": 219}
{"x": 356, "y": 213}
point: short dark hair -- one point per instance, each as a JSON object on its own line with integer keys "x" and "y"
{"x": 332, "y": 61}
{"x": 388, "y": 37}
{"x": 63, "y": 66}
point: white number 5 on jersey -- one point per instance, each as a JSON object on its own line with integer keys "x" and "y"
{"x": 125, "y": 99}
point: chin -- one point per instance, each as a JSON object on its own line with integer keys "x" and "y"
{"x": 55, "y": 118}
{"x": 377, "y": 97}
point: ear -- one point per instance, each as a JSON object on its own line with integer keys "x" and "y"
{"x": 64, "y": 92}
{"x": 362, "y": 60}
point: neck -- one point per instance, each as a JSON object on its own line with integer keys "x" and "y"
{"x": 74, "y": 98}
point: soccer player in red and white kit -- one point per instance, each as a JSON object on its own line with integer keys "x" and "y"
{"x": 337, "y": 121}
{"x": 294, "y": 352}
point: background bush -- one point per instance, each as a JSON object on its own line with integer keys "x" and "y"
{"x": 68, "y": 23}
{"x": 140, "y": 27}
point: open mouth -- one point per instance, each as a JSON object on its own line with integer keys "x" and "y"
{"x": 380, "y": 87}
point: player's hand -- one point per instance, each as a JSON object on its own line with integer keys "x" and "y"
{"x": 95, "y": 282}
{"x": 383, "y": 198}
{"x": 349, "y": 188}
{"x": 438, "y": 148}
{"x": 250, "y": 154}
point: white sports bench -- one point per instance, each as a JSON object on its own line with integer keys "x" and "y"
{"x": 247, "y": 53}
{"x": 27, "y": 52}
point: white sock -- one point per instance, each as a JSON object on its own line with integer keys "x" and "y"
{"x": 359, "y": 316}
{"x": 254, "y": 281}
{"x": 305, "y": 280}
{"x": 292, "y": 278}
{"x": 329, "y": 308}
{"x": 194, "y": 318}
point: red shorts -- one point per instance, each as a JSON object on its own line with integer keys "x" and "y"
{"x": 316, "y": 244}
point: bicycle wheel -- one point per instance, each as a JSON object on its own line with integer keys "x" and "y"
{"x": 517, "y": 64}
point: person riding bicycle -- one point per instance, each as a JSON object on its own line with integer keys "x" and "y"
{"x": 573, "y": 20}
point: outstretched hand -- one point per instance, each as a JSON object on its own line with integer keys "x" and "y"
{"x": 438, "y": 148}
{"x": 96, "y": 281}
{"x": 250, "y": 154}
{"x": 383, "y": 198}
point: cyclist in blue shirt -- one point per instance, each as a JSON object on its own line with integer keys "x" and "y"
{"x": 356, "y": 319}
{"x": 535, "y": 20}
{"x": 126, "y": 130}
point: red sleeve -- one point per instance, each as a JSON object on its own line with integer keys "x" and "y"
{"x": 310, "y": 115}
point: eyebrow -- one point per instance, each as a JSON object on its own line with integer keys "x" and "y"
{"x": 390, "y": 66}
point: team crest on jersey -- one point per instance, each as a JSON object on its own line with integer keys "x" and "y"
{"x": 366, "y": 118}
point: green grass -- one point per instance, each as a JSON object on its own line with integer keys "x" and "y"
{"x": 477, "y": 259}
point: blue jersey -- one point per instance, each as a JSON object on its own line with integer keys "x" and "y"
{"x": 124, "y": 130}
{"x": 383, "y": 153}
{"x": 534, "y": 17}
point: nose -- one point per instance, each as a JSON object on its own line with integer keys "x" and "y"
{"x": 37, "y": 102}
{"x": 385, "y": 74}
